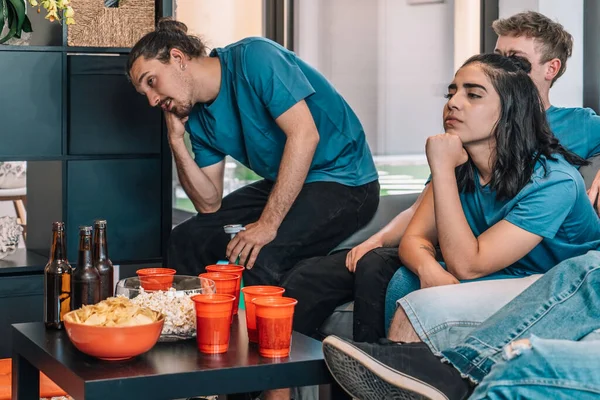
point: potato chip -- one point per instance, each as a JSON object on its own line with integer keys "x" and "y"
{"x": 114, "y": 311}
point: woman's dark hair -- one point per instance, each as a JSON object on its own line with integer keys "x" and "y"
{"x": 169, "y": 34}
{"x": 522, "y": 132}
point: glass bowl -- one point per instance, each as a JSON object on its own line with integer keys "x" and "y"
{"x": 175, "y": 303}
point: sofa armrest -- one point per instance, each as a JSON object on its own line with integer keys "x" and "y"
{"x": 389, "y": 207}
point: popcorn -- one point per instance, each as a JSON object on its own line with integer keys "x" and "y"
{"x": 178, "y": 308}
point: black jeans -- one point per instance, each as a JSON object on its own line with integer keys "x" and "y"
{"x": 321, "y": 284}
{"x": 323, "y": 215}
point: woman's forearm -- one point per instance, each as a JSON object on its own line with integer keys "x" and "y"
{"x": 457, "y": 242}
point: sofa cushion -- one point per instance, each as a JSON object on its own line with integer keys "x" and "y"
{"x": 389, "y": 207}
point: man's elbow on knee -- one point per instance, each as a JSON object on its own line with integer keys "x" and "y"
{"x": 208, "y": 208}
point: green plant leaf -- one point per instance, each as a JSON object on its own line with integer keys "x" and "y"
{"x": 27, "y": 25}
{"x": 20, "y": 12}
{"x": 11, "y": 23}
{"x": 1, "y": 16}
{"x": 14, "y": 21}
{"x": 17, "y": 20}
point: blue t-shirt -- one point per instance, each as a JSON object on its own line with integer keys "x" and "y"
{"x": 577, "y": 129}
{"x": 260, "y": 80}
{"x": 553, "y": 205}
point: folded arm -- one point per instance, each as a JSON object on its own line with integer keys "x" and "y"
{"x": 467, "y": 256}
{"x": 417, "y": 247}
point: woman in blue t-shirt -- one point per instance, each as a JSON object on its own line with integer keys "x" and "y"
{"x": 506, "y": 198}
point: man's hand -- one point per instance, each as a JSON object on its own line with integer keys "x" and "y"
{"x": 175, "y": 126}
{"x": 594, "y": 191}
{"x": 436, "y": 276}
{"x": 248, "y": 243}
{"x": 445, "y": 151}
{"x": 358, "y": 252}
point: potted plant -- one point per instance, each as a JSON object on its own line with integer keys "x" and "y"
{"x": 13, "y": 16}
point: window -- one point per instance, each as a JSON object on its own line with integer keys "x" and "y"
{"x": 392, "y": 61}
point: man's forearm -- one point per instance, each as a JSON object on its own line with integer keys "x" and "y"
{"x": 199, "y": 188}
{"x": 456, "y": 239}
{"x": 297, "y": 156}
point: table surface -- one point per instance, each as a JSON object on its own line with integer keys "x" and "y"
{"x": 170, "y": 370}
{"x": 22, "y": 261}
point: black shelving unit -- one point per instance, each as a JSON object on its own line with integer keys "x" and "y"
{"x": 95, "y": 149}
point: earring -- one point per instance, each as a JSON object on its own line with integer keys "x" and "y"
{"x": 182, "y": 67}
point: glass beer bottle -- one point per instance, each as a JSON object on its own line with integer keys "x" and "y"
{"x": 101, "y": 261}
{"x": 57, "y": 280}
{"x": 85, "y": 282}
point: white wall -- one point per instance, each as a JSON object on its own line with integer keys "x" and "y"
{"x": 339, "y": 38}
{"x": 568, "y": 90}
{"x": 221, "y": 22}
{"x": 416, "y": 57}
{"x": 467, "y": 30}
{"x": 510, "y": 7}
{"x": 390, "y": 60}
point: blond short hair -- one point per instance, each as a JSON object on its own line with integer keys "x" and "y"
{"x": 555, "y": 41}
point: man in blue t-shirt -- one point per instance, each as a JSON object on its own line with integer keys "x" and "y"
{"x": 268, "y": 109}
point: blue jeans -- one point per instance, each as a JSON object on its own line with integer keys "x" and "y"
{"x": 405, "y": 282}
{"x": 563, "y": 304}
{"x": 544, "y": 369}
{"x": 458, "y": 309}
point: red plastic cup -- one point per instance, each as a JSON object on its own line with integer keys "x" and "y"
{"x": 274, "y": 316}
{"x": 251, "y": 293}
{"x": 224, "y": 283}
{"x": 230, "y": 269}
{"x": 152, "y": 279}
{"x": 213, "y": 322}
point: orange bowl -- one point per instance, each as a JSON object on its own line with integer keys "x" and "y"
{"x": 113, "y": 342}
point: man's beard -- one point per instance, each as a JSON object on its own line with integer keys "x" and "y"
{"x": 183, "y": 111}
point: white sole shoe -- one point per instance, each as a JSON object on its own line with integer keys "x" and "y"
{"x": 365, "y": 378}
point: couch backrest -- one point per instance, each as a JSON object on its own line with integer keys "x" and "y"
{"x": 589, "y": 171}
{"x": 390, "y": 206}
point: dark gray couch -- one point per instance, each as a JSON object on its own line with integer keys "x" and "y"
{"x": 340, "y": 322}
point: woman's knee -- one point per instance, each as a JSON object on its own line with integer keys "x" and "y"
{"x": 402, "y": 283}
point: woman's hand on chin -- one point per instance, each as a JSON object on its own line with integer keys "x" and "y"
{"x": 445, "y": 151}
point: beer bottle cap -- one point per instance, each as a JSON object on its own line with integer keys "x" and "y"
{"x": 58, "y": 226}
{"x": 87, "y": 230}
{"x": 101, "y": 223}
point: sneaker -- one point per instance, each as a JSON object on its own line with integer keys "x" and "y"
{"x": 389, "y": 370}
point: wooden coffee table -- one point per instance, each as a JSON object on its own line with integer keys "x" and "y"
{"x": 168, "y": 371}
